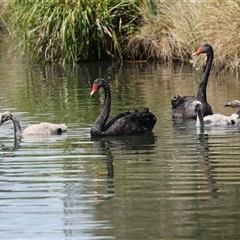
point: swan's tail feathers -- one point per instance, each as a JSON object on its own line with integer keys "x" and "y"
{"x": 145, "y": 110}
{"x": 55, "y": 128}
{"x": 178, "y": 101}
{"x": 175, "y": 101}
{"x": 151, "y": 121}
{"x": 61, "y": 128}
{"x": 144, "y": 121}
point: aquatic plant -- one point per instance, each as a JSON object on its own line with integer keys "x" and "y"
{"x": 71, "y": 30}
{"x": 166, "y": 30}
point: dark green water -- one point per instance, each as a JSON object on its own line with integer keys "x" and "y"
{"x": 172, "y": 184}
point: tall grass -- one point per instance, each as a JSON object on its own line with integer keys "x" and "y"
{"x": 176, "y": 28}
{"x": 165, "y": 30}
{"x": 166, "y": 33}
{"x": 71, "y": 30}
{"x": 220, "y": 26}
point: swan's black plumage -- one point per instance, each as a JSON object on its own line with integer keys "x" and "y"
{"x": 182, "y": 105}
{"x": 124, "y": 123}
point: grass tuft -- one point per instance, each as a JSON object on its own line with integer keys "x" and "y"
{"x": 70, "y": 31}
{"x": 171, "y": 30}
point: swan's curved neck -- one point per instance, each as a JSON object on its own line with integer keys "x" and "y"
{"x": 17, "y": 127}
{"x": 201, "y": 95}
{"x": 200, "y": 120}
{"x": 236, "y": 115}
{"x": 100, "y": 122}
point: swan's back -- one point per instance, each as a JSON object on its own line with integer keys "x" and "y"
{"x": 211, "y": 120}
{"x": 218, "y": 120}
{"x": 182, "y": 107}
{"x": 130, "y": 123}
{"x": 45, "y": 128}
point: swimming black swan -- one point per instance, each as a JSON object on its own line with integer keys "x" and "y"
{"x": 123, "y": 124}
{"x": 211, "y": 120}
{"x": 43, "y": 128}
{"x": 234, "y": 104}
{"x": 181, "y": 106}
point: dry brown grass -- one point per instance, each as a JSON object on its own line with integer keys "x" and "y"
{"x": 220, "y": 26}
{"x": 178, "y": 28}
{"x": 165, "y": 35}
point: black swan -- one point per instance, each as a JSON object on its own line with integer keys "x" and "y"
{"x": 211, "y": 120}
{"x": 123, "y": 124}
{"x": 234, "y": 104}
{"x": 43, "y": 128}
{"x": 181, "y": 106}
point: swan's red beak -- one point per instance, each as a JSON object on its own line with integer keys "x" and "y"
{"x": 94, "y": 89}
{"x": 199, "y": 51}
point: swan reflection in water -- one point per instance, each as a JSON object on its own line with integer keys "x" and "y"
{"x": 140, "y": 143}
{"x": 197, "y": 142}
{"x": 208, "y": 182}
{"x": 144, "y": 141}
{"x": 102, "y": 149}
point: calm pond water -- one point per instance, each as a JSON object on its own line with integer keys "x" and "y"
{"x": 172, "y": 184}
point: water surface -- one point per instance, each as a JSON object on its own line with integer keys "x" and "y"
{"x": 171, "y": 184}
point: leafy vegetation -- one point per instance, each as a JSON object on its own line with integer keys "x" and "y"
{"x": 71, "y": 30}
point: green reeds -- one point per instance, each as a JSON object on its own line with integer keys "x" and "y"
{"x": 71, "y": 31}
{"x": 166, "y": 30}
